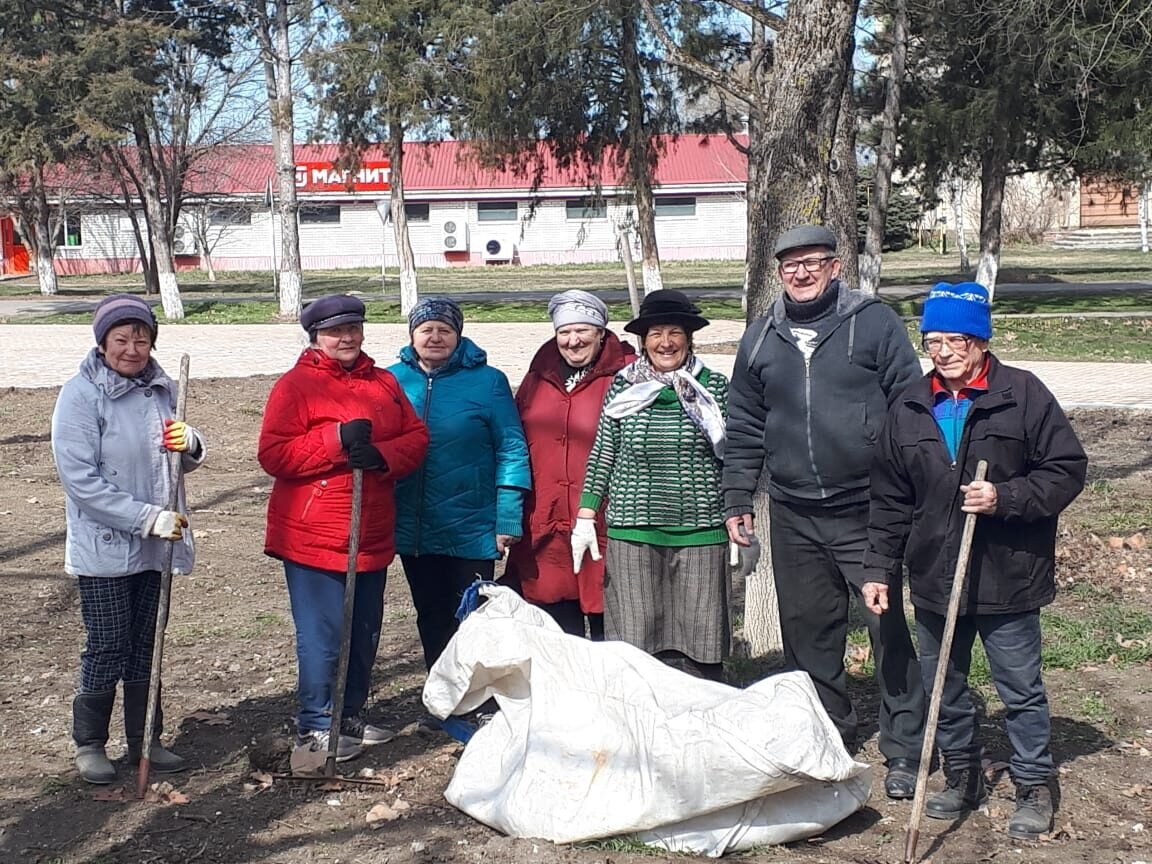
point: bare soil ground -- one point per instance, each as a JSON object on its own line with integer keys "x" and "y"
{"x": 230, "y": 674}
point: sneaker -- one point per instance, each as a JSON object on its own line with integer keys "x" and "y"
{"x": 1033, "y": 815}
{"x": 356, "y": 727}
{"x": 964, "y": 791}
{"x": 317, "y": 741}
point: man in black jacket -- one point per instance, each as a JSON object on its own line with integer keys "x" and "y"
{"x": 970, "y": 407}
{"x": 812, "y": 384}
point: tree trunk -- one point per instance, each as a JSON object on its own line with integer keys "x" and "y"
{"x": 159, "y": 232}
{"x": 885, "y": 153}
{"x": 993, "y": 176}
{"x": 842, "y": 212}
{"x": 761, "y": 609}
{"x": 624, "y": 247}
{"x": 409, "y": 291}
{"x": 278, "y": 81}
{"x": 41, "y": 236}
{"x": 957, "y": 186}
{"x": 640, "y": 158}
{"x": 1145, "y": 216}
{"x": 790, "y": 154}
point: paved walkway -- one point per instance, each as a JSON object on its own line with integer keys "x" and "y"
{"x": 46, "y": 355}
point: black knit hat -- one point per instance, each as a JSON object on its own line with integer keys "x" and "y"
{"x": 666, "y": 306}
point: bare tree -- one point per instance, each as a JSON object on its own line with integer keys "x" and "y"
{"x": 885, "y": 150}
{"x": 282, "y": 30}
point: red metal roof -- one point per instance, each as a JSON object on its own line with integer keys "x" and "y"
{"x": 244, "y": 169}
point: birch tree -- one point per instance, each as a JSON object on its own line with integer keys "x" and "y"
{"x": 283, "y": 29}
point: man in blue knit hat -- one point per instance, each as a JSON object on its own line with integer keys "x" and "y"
{"x": 967, "y": 408}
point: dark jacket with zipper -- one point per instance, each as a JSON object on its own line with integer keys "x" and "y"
{"x": 1037, "y": 465}
{"x": 812, "y": 423}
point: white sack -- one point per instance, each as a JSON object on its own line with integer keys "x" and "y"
{"x": 597, "y": 739}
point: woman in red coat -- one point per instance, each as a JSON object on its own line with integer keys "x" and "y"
{"x": 332, "y": 412}
{"x": 559, "y": 402}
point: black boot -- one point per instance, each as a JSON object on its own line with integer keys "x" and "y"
{"x": 964, "y": 791}
{"x": 161, "y": 760}
{"x": 90, "y": 715}
{"x": 1033, "y": 815}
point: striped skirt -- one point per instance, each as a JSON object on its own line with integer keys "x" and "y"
{"x": 668, "y": 598}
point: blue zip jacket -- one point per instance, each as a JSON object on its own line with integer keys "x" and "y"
{"x": 472, "y": 483}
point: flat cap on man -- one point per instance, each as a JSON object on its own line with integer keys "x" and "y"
{"x": 332, "y": 311}
{"x": 804, "y": 235}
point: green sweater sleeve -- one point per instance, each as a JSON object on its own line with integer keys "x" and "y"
{"x": 602, "y": 457}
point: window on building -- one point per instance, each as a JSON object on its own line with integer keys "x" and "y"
{"x": 225, "y": 216}
{"x": 666, "y": 206}
{"x": 416, "y": 211}
{"x": 320, "y": 214}
{"x": 497, "y": 211}
{"x": 68, "y": 233}
{"x": 585, "y": 208}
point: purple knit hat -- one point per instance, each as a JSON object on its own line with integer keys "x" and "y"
{"x": 120, "y": 309}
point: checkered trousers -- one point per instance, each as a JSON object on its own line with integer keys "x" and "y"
{"x": 119, "y": 614}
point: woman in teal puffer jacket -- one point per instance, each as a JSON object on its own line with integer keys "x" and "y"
{"x": 458, "y": 513}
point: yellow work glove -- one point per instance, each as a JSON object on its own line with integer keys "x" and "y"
{"x": 178, "y": 436}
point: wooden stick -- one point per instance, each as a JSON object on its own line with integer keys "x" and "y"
{"x": 959, "y": 577}
{"x": 340, "y": 684}
{"x": 175, "y": 472}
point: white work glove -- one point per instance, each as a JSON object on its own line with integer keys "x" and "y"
{"x": 169, "y": 525}
{"x": 584, "y": 540}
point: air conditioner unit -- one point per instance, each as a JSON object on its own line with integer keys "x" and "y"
{"x": 498, "y": 249}
{"x": 183, "y": 241}
{"x": 454, "y": 237}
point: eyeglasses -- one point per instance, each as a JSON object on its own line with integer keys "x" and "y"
{"x": 957, "y": 343}
{"x": 812, "y": 265}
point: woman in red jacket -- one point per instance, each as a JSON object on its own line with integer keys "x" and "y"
{"x": 332, "y": 412}
{"x": 559, "y": 402}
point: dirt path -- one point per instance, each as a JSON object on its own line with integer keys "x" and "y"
{"x": 230, "y": 670}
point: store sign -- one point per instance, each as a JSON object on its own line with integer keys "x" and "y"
{"x": 327, "y": 177}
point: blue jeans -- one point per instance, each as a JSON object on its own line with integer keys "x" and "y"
{"x": 1012, "y": 643}
{"x": 317, "y": 598}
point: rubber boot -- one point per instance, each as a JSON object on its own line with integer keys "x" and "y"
{"x": 161, "y": 760}
{"x": 91, "y": 713}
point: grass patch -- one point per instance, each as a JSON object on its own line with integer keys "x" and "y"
{"x": 631, "y": 846}
{"x": 1117, "y": 340}
{"x": 381, "y": 312}
{"x": 1108, "y": 509}
{"x": 1021, "y": 264}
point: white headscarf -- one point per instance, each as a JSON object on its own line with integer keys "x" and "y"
{"x": 577, "y": 307}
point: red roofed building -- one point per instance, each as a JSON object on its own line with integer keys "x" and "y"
{"x": 459, "y": 211}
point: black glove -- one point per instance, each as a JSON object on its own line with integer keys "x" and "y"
{"x": 363, "y": 455}
{"x": 355, "y": 432}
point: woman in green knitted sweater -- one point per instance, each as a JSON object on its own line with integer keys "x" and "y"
{"x": 656, "y": 466}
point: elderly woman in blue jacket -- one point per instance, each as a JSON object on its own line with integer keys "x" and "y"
{"x": 459, "y": 512}
{"x": 112, "y": 430}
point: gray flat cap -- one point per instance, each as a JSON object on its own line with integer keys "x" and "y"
{"x": 804, "y": 235}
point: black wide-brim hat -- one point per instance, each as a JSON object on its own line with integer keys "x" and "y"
{"x": 667, "y": 306}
